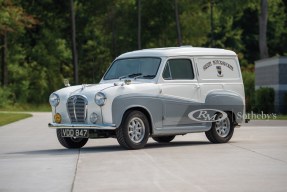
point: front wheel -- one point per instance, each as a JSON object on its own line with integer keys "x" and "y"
{"x": 222, "y": 130}
{"x": 71, "y": 142}
{"x": 134, "y": 130}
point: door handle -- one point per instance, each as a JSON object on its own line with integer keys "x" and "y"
{"x": 197, "y": 86}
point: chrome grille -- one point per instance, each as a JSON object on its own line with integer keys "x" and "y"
{"x": 77, "y": 109}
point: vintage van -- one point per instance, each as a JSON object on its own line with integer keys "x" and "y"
{"x": 158, "y": 93}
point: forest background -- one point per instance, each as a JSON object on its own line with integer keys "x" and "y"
{"x": 37, "y": 42}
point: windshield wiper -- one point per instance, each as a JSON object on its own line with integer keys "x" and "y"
{"x": 149, "y": 76}
{"x": 145, "y": 76}
{"x": 130, "y": 75}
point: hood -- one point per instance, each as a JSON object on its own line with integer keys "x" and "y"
{"x": 91, "y": 89}
{"x": 83, "y": 89}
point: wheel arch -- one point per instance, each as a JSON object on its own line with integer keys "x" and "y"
{"x": 233, "y": 117}
{"x": 227, "y": 101}
{"x": 151, "y": 106}
{"x": 141, "y": 109}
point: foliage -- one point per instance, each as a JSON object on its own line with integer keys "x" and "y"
{"x": 264, "y": 100}
{"x": 6, "y": 97}
{"x": 39, "y": 37}
{"x": 249, "y": 80}
{"x": 281, "y": 117}
{"x": 195, "y": 24}
{"x": 14, "y": 18}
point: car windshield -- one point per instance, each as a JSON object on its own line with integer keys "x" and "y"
{"x": 145, "y": 67}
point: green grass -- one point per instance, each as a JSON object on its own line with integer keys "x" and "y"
{"x": 272, "y": 116}
{"x": 27, "y": 107}
{"x": 281, "y": 117}
{"x": 6, "y": 118}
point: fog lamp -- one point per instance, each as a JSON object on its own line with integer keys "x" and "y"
{"x": 94, "y": 117}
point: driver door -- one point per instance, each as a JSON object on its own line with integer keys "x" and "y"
{"x": 180, "y": 91}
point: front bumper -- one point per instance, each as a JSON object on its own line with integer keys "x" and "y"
{"x": 83, "y": 126}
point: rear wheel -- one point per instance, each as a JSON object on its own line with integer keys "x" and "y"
{"x": 164, "y": 139}
{"x": 134, "y": 131}
{"x": 71, "y": 142}
{"x": 221, "y": 130}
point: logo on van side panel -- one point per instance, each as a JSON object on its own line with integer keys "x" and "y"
{"x": 219, "y": 71}
{"x": 207, "y": 115}
{"x": 218, "y": 65}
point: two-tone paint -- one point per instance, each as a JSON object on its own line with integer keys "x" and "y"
{"x": 166, "y": 103}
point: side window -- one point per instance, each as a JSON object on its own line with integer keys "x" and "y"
{"x": 178, "y": 69}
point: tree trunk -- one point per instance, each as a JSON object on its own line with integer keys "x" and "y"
{"x": 179, "y": 39}
{"x": 263, "y": 29}
{"x": 4, "y": 69}
{"x": 139, "y": 25}
{"x": 113, "y": 28}
{"x": 211, "y": 23}
{"x": 74, "y": 47}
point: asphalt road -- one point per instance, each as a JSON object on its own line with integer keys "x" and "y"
{"x": 32, "y": 160}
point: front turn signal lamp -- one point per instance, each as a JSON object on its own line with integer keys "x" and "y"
{"x": 57, "y": 118}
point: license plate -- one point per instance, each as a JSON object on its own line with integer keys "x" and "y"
{"x": 80, "y": 133}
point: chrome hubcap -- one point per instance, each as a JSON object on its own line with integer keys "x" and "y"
{"x": 136, "y": 130}
{"x": 222, "y": 127}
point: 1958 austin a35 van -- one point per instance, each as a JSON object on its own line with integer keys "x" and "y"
{"x": 158, "y": 93}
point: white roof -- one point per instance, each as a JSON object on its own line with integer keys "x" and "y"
{"x": 177, "y": 51}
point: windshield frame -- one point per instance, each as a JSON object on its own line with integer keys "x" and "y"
{"x": 160, "y": 60}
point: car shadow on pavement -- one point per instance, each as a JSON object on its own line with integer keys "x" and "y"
{"x": 176, "y": 144}
{"x": 108, "y": 148}
{"x": 149, "y": 146}
{"x": 54, "y": 152}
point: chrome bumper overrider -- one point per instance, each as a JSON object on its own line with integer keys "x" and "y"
{"x": 83, "y": 126}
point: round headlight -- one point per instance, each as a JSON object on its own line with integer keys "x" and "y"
{"x": 54, "y": 99}
{"x": 100, "y": 98}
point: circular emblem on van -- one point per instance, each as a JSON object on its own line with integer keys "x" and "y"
{"x": 219, "y": 71}
{"x": 207, "y": 115}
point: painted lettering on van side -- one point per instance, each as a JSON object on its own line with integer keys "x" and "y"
{"x": 207, "y": 65}
{"x": 217, "y": 62}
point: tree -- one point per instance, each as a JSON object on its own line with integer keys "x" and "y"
{"x": 4, "y": 70}
{"x": 41, "y": 57}
{"x": 13, "y": 19}
{"x": 139, "y": 24}
{"x": 211, "y": 23}
{"x": 263, "y": 17}
{"x": 38, "y": 55}
{"x": 178, "y": 30}
{"x": 74, "y": 45}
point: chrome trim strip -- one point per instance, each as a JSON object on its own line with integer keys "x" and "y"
{"x": 74, "y": 107}
{"x": 86, "y": 111}
{"x": 83, "y": 126}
